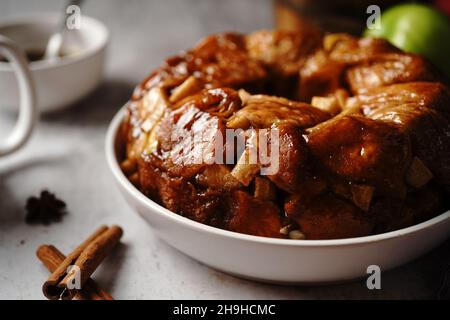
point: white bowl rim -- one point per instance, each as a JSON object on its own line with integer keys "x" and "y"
{"x": 118, "y": 174}
{"x": 38, "y": 17}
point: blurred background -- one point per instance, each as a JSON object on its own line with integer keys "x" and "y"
{"x": 143, "y": 32}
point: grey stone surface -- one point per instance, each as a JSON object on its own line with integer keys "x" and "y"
{"x": 66, "y": 155}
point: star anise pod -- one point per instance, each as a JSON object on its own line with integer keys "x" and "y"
{"x": 44, "y": 209}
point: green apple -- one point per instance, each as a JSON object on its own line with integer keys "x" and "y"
{"x": 419, "y": 29}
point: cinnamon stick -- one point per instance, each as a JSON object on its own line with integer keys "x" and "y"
{"x": 87, "y": 256}
{"x": 90, "y": 258}
{"x": 51, "y": 257}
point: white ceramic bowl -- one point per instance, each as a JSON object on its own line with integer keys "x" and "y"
{"x": 61, "y": 82}
{"x": 278, "y": 260}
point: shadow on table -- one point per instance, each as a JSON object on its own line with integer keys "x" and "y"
{"x": 11, "y": 213}
{"x": 98, "y": 108}
{"x": 420, "y": 279}
{"x": 12, "y": 210}
{"x": 110, "y": 269}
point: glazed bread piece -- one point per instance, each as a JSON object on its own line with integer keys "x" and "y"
{"x": 422, "y": 111}
{"x": 358, "y": 64}
{"x": 363, "y": 152}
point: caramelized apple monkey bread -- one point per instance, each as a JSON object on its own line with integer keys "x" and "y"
{"x": 364, "y": 135}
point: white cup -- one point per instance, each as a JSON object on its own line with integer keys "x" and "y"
{"x": 27, "y": 106}
{"x": 61, "y": 82}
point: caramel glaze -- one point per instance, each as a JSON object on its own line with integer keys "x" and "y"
{"x": 338, "y": 177}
